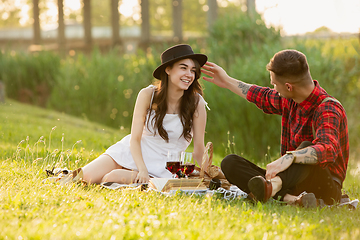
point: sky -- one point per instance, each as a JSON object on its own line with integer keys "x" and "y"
{"x": 293, "y": 16}
{"x": 297, "y": 17}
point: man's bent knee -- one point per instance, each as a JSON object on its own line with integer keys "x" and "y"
{"x": 227, "y": 162}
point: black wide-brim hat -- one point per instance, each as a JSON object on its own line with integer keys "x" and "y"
{"x": 177, "y": 53}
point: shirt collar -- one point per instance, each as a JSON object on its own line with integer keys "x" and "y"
{"x": 314, "y": 99}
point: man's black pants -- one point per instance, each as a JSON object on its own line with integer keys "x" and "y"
{"x": 296, "y": 179}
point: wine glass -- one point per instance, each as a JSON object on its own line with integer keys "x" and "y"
{"x": 173, "y": 163}
{"x": 187, "y": 163}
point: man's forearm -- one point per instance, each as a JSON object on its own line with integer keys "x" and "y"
{"x": 238, "y": 87}
{"x": 304, "y": 156}
{"x": 244, "y": 87}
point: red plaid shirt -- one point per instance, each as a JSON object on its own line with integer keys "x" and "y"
{"x": 328, "y": 119}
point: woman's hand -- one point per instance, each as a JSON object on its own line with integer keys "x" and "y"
{"x": 142, "y": 177}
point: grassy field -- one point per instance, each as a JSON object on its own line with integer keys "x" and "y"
{"x": 33, "y": 139}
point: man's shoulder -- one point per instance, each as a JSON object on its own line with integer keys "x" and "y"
{"x": 329, "y": 99}
{"x": 329, "y": 104}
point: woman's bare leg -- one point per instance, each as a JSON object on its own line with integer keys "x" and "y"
{"x": 123, "y": 176}
{"x": 98, "y": 168}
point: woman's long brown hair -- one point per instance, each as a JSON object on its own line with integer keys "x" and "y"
{"x": 188, "y": 104}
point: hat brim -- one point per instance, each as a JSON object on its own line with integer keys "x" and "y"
{"x": 201, "y": 58}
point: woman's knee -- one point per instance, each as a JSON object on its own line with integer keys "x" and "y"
{"x": 91, "y": 176}
{"x": 98, "y": 168}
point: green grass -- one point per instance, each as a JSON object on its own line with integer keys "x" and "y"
{"x": 30, "y": 209}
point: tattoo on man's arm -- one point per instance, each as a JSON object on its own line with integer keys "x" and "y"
{"x": 307, "y": 160}
{"x": 313, "y": 153}
{"x": 312, "y": 159}
{"x": 286, "y": 157}
{"x": 244, "y": 87}
{"x": 303, "y": 151}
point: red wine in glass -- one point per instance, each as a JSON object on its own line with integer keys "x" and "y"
{"x": 173, "y": 166}
{"x": 187, "y": 168}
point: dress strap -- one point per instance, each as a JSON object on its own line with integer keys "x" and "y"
{"x": 206, "y": 103}
{"x": 152, "y": 96}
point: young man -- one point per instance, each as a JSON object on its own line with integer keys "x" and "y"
{"x": 314, "y": 138}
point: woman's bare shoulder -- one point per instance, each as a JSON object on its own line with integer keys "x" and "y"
{"x": 147, "y": 92}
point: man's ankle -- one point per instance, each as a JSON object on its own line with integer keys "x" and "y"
{"x": 276, "y": 183}
{"x": 290, "y": 199}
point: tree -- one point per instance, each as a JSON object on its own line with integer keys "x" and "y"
{"x": 9, "y": 13}
{"x": 194, "y": 17}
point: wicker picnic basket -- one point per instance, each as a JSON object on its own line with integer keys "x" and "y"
{"x": 209, "y": 171}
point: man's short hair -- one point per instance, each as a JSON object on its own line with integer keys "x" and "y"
{"x": 290, "y": 64}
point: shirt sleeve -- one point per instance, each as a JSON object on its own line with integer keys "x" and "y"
{"x": 267, "y": 99}
{"x": 327, "y": 131}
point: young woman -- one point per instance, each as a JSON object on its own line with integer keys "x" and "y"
{"x": 166, "y": 118}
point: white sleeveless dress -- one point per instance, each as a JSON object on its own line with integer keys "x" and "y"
{"x": 154, "y": 148}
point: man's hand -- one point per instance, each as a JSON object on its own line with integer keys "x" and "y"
{"x": 217, "y": 74}
{"x": 279, "y": 165}
{"x": 222, "y": 79}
